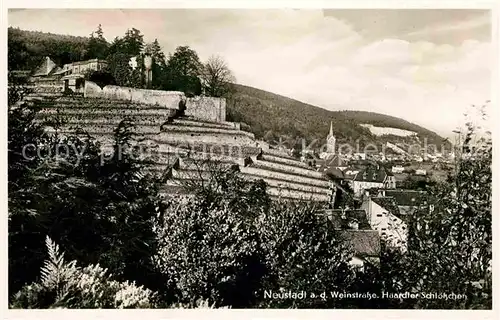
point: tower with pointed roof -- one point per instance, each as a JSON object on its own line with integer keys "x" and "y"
{"x": 330, "y": 141}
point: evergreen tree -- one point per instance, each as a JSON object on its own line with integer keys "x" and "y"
{"x": 183, "y": 71}
{"x": 119, "y": 67}
{"x": 97, "y": 46}
{"x": 154, "y": 49}
{"x": 116, "y": 46}
{"x": 133, "y": 42}
{"x": 99, "y": 32}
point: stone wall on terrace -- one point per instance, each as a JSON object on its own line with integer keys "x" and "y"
{"x": 205, "y": 108}
{"x": 208, "y": 108}
{"x": 166, "y": 99}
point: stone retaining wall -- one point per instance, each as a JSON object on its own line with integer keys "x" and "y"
{"x": 286, "y": 161}
{"x": 206, "y": 108}
{"x": 210, "y": 138}
{"x": 292, "y": 185}
{"x": 283, "y": 176}
{"x": 306, "y": 196}
{"x": 165, "y": 99}
{"x": 288, "y": 168}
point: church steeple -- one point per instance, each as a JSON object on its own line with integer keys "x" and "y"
{"x": 330, "y": 140}
{"x": 331, "y": 129}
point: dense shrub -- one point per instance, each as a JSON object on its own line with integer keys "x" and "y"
{"x": 100, "y": 208}
{"x": 102, "y": 78}
{"x": 450, "y": 245}
{"x": 65, "y": 285}
{"x": 210, "y": 253}
{"x": 302, "y": 254}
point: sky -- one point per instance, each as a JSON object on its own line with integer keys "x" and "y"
{"x": 427, "y": 66}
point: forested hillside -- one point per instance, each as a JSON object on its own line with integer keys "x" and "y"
{"x": 26, "y": 49}
{"x": 271, "y": 116}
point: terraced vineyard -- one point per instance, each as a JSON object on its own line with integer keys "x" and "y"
{"x": 185, "y": 149}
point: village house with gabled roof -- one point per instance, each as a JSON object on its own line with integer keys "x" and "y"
{"x": 408, "y": 201}
{"x": 384, "y": 216}
{"x": 81, "y": 67}
{"x": 73, "y": 74}
{"x": 353, "y": 219}
{"x": 372, "y": 176}
{"x": 365, "y": 245}
{"x": 331, "y": 162}
{"x": 354, "y": 229}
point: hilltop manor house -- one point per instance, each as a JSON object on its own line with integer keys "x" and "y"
{"x": 70, "y": 76}
{"x": 190, "y": 134}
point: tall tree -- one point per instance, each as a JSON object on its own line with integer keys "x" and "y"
{"x": 116, "y": 46}
{"x": 119, "y": 67}
{"x": 133, "y": 42}
{"x": 183, "y": 71}
{"x": 217, "y": 77}
{"x": 99, "y": 32}
{"x": 97, "y": 46}
{"x": 154, "y": 49}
